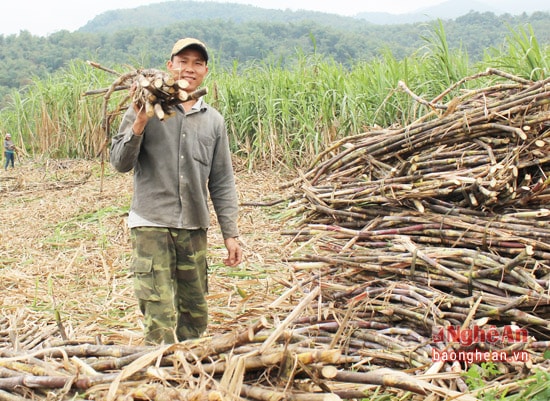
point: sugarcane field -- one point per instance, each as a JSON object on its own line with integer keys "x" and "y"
{"x": 402, "y": 262}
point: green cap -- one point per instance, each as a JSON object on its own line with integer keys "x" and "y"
{"x": 189, "y": 42}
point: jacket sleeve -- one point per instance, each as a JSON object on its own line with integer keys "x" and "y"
{"x": 125, "y": 146}
{"x": 222, "y": 187}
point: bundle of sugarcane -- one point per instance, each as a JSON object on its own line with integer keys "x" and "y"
{"x": 158, "y": 91}
{"x": 155, "y": 90}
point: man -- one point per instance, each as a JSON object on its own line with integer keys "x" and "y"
{"x": 9, "y": 151}
{"x": 177, "y": 163}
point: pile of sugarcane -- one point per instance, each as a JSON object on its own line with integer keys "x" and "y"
{"x": 474, "y": 177}
{"x": 344, "y": 339}
{"x": 293, "y": 355}
{"x": 442, "y": 223}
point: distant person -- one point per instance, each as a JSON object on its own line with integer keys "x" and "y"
{"x": 178, "y": 163}
{"x": 9, "y": 152}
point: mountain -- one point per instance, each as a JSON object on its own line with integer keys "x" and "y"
{"x": 247, "y": 32}
{"x": 176, "y": 11}
{"x": 452, "y": 9}
{"x": 516, "y": 7}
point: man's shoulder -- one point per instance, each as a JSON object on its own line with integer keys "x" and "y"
{"x": 213, "y": 114}
{"x": 211, "y": 109}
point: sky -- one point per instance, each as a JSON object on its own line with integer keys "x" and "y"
{"x": 43, "y": 17}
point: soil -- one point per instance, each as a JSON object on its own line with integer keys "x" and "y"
{"x": 65, "y": 253}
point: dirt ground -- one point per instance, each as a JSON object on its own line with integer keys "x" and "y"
{"x": 65, "y": 252}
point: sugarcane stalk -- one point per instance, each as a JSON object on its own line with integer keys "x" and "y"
{"x": 289, "y": 319}
{"x": 265, "y": 394}
{"x": 5, "y": 396}
{"x": 382, "y": 377}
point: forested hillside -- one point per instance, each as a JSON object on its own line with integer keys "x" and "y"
{"x": 238, "y": 35}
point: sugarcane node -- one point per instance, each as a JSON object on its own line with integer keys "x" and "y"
{"x": 198, "y": 93}
{"x": 143, "y": 81}
{"x": 329, "y": 372}
{"x": 169, "y": 80}
{"x": 158, "y": 83}
{"x": 182, "y": 84}
{"x": 149, "y": 110}
{"x": 182, "y": 95}
{"x": 159, "y": 112}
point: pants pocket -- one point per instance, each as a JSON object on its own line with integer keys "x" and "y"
{"x": 144, "y": 279}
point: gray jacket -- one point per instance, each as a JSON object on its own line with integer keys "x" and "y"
{"x": 177, "y": 163}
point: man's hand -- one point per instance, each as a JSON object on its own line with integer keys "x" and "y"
{"x": 234, "y": 252}
{"x": 141, "y": 115}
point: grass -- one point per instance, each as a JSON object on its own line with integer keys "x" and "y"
{"x": 533, "y": 387}
{"x": 74, "y": 229}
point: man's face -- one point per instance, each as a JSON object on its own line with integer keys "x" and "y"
{"x": 190, "y": 65}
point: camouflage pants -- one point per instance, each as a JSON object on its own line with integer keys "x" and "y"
{"x": 170, "y": 281}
